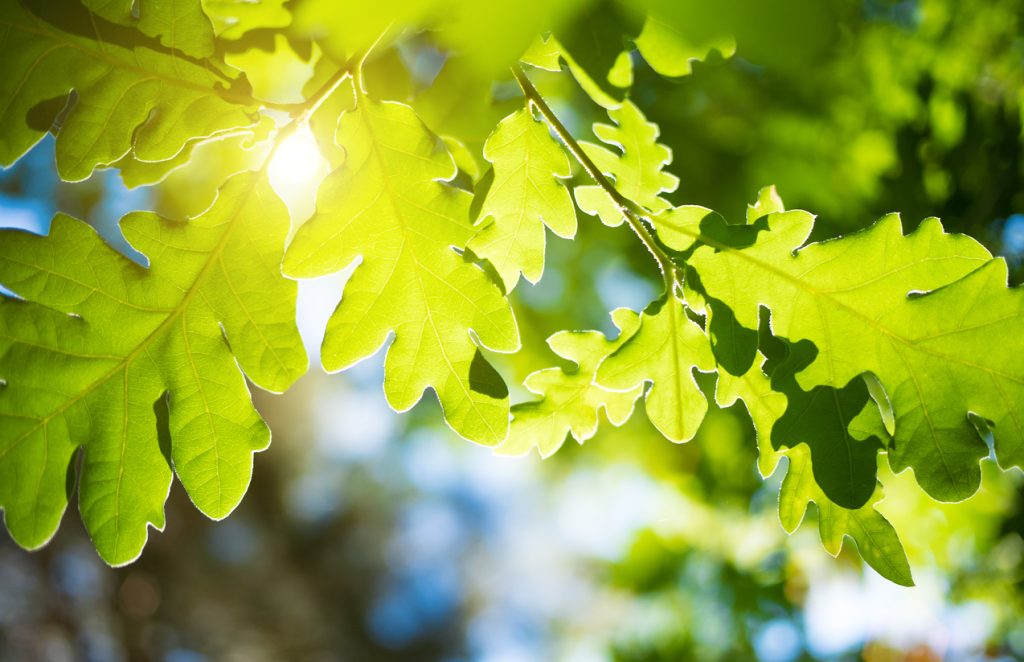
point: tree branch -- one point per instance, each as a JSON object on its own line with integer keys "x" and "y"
{"x": 630, "y": 211}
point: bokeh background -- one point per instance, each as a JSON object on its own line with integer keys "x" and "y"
{"x": 368, "y": 535}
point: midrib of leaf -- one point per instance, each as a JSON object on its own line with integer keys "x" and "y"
{"x": 206, "y": 406}
{"x": 641, "y": 162}
{"x": 844, "y": 427}
{"x": 835, "y": 393}
{"x": 887, "y": 558}
{"x": 888, "y": 333}
{"x": 578, "y": 392}
{"x": 627, "y": 208}
{"x": 677, "y": 378}
{"x": 127, "y": 360}
{"x": 553, "y": 412}
{"x": 393, "y": 197}
{"x": 120, "y": 464}
{"x": 522, "y": 205}
{"x": 245, "y": 309}
{"x": 826, "y": 294}
{"x": 928, "y": 419}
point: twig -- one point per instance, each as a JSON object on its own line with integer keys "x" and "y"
{"x": 627, "y": 208}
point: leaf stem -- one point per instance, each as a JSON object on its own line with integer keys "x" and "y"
{"x": 306, "y": 109}
{"x": 357, "y": 71}
{"x": 629, "y": 210}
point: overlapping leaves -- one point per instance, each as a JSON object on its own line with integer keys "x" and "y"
{"x": 875, "y": 537}
{"x": 131, "y": 93}
{"x": 572, "y": 402}
{"x": 636, "y": 165}
{"x": 97, "y": 348}
{"x": 910, "y": 309}
{"x": 664, "y": 352}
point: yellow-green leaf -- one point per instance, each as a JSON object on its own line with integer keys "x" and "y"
{"x": 636, "y": 166}
{"x": 571, "y": 401}
{"x": 664, "y": 351}
{"x": 95, "y": 340}
{"x": 131, "y": 93}
{"x": 525, "y": 195}
{"x": 388, "y": 205}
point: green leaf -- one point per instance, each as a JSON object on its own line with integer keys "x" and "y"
{"x": 636, "y": 168}
{"x": 594, "y": 46}
{"x": 526, "y": 195}
{"x": 768, "y": 202}
{"x": 664, "y": 352}
{"x": 324, "y": 120}
{"x": 845, "y": 464}
{"x": 461, "y": 102}
{"x": 671, "y": 53}
{"x": 98, "y": 339}
{"x": 875, "y": 537}
{"x": 135, "y": 172}
{"x": 132, "y": 92}
{"x": 389, "y": 206}
{"x": 465, "y": 160}
{"x": 858, "y": 300}
{"x": 177, "y": 24}
{"x": 278, "y": 73}
{"x": 571, "y": 401}
{"x": 233, "y": 18}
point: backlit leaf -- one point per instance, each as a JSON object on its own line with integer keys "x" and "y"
{"x": 96, "y": 340}
{"x": 178, "y": 24}
{"x": 858, "y": 300}
{"x": 571, "y": 400}
{"x": 131, "y": 93}
{"x": 875, "y": 537}
{"x": 388, "y": 205}
{"x": 664, "y": 351}
{"x": 526, "y": 195}
{"x": 671, "y": 53}
{"x": 635, "y": 165}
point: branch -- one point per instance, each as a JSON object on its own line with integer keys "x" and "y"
{"x": 303, "y": 111}
{"x": 628, "y": 209}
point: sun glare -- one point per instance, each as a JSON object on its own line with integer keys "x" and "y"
{"x": 297, "y": 169}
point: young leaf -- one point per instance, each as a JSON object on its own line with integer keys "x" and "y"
{"x": 637, "y": 169}
{"x": 387, "y": 204}
{"x": 131, "y": 92}
{"x": 857, "y": 299}
{"x": 664, "y": 351}
{"x": 98, "y": 340}
{"x": 526, "y": 195}
{"x": 875, "y": 537}
{"x": 571, "y": 401}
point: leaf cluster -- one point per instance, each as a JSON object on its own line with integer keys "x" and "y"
{"x": 880, "y": 346}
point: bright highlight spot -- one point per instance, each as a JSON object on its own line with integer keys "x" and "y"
{"x": 296, "y": 171}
